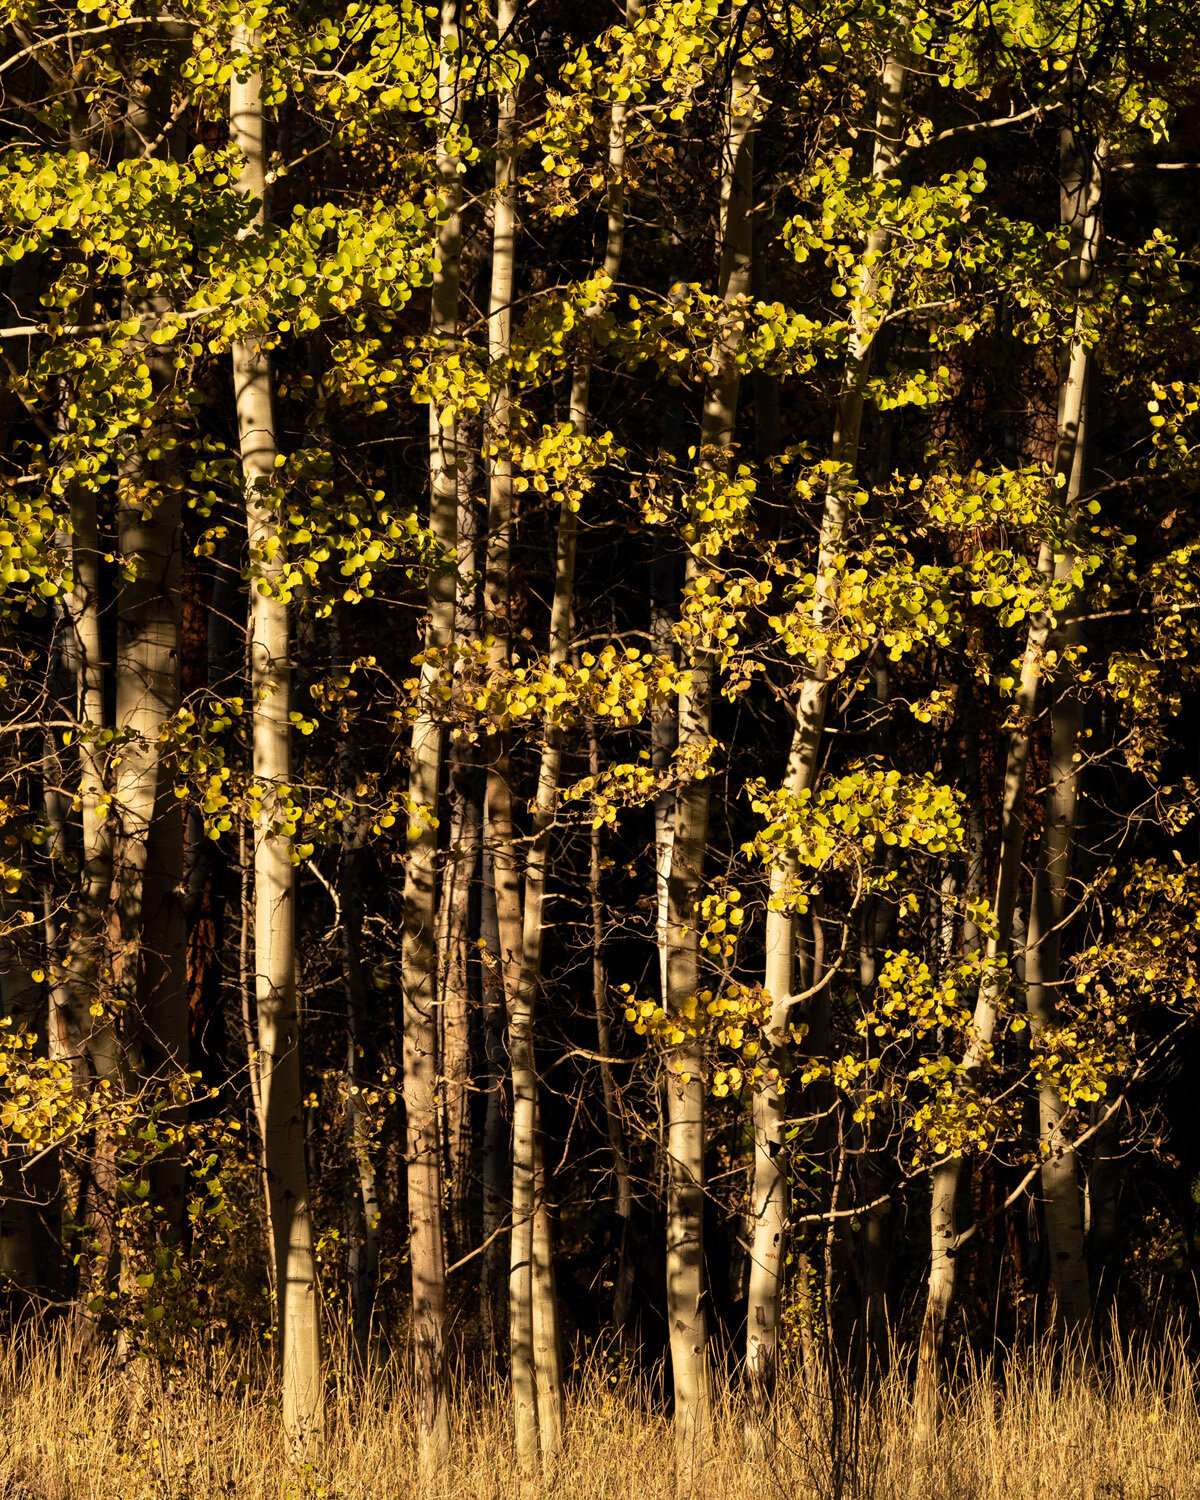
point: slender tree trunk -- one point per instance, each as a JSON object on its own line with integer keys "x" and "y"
{"x": 427, "y": 1250}
{"x": 1048, "y": 908}
{"x": 274, "y": 873}
{"x": 686, "y": 1080}
{"x": 770, "y": 1181}
{"x": 454, "y": 982}
{"x": 946, "y": 1177}
{"x": 84, "y": 1030}
{"x": 150, "y": 968}
{"x": 664, "y": 736}
{"x": 362, "y": 1193}
{"x": 363, "y": 1249}
{"x": 1043, "y": 972}
{"x": 505, "y": 868}
{"x": 86, "y": 951}
{"x": 495, "y": 1131}
{"x": 626, "y": 1270}
{"x": 547, "y": 1341}
{"x": 1103, "y": 1214}
{"x": 457, "y": 970}
{"x": 547, "y": 1355}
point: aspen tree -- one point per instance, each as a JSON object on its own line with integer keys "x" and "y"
{"x": 495, "y": 1130}
{"x": 274, "y": 873}
{"x": 623, "y": 1291}
{"x": 464, "y": 792}
{"x": 686, "y": 1080}
{"x": 427, "y": 1248}
{"x": 770, "y": 1181}
{"x": 1080, "y": 172}
{"x": 500, "y": 831}
{"x": 151, "y": 985}
{"x": 1081, "y": 199}
{"x": 547, "y": 1354}
{"x": 362, "y": 1192}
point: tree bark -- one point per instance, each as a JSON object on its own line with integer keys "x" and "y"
{"x": 946, "y": 1177}
{"x": 274, "y": 872}
{"x": 1049, "y": 909}
{"x": 421, "y": 1105}
{"x": 770, "y": 1180}
{"x": 495, "y": 1132}
{"x": 623, "y": 1287}
{"x": 506, "y": 881}
{"x": 362, "y": 1192}
{"x": 686, "y": 1080}
{"x": 151, "y": 979}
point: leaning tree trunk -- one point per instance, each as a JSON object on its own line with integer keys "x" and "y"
{"x": 427, "y": 1250}
{"x": 274, "y": 873}
{"x": 946, "y": 1177}
{"x": 770, "y": 1179}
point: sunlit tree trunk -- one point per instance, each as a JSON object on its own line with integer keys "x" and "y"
{"x": 421, "y": 1105}
{"x": 686, "y": 1077}
{"x": 500, "y": 833}
{"x": 149, "y": 970}
{"x": 88, "y": 939}
{"x": 770, "y": 1180}
{"x": 274, "y": 873}
{"x": 83, "y": 1030}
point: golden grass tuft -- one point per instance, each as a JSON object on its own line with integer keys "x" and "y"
{"x": 76, "y": 1429}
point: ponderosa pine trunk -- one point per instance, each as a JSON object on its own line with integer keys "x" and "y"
{"x": 274, "y": 873}
{"x": 770, "y": 1168}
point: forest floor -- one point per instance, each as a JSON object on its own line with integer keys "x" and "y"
{"x": 77, "y": 1429}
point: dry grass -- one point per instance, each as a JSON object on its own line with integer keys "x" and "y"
{"x": 74, "y": 1430}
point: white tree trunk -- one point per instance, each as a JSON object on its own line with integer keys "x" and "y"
{"x": 421, "y": 1105}
{"x": 686, "y": 1064}
{"x": 770, "y": 1180}
{"x": 274, "y": 873}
